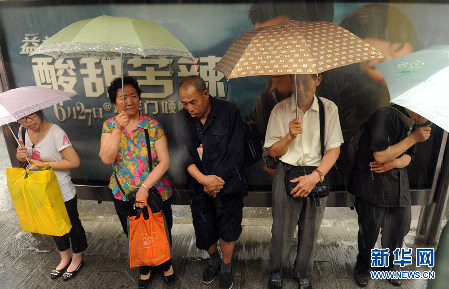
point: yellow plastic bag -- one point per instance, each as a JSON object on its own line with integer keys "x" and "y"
{"x": 38, "y": 201}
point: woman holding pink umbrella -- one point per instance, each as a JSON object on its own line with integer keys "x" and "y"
{"x": 43, "y": 143}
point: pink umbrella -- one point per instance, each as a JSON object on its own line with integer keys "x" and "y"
{"x": 20, "y": 102}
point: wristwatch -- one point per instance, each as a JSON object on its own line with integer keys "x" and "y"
{"x": 321, "y": 174}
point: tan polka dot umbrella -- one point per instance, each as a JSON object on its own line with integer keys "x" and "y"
{"x": 294, "y": 47}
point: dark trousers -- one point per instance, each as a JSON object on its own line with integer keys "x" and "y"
{"x": 125, "y": 209}
{"x": 392, "y": 222}
{"x": 76, "y": 236}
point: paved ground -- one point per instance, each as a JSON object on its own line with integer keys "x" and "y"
{"x": 26, "y": 259}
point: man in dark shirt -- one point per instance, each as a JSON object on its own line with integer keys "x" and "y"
{"x": 211, "y": 133}
{"x": 380, "y": 182}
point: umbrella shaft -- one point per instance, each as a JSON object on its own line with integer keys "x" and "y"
{"x": 296, "y": 97}
{"x": 123, "y": 86}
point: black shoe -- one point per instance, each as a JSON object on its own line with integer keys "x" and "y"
{"x": 170, "y": 279}
{"x": 395, "y": 282}
{"x": 361, "y": 277}
{"x": 275, "y": 281}
{"x": 56, "y": 273}
{"x": 304, "y": 283}
{"x": 69, "y": 275}
{"x": 210, "y": 273}
{"x": 143, "y": 284}
{"x": 226, "y": 280}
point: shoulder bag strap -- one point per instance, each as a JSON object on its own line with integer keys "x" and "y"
{"x": 155, "y": 202}
{"x": 322, "y": 122}
{"x": 150, "y": 161}
{"x": 23, "y": 130}
{"x": 118, "y": 184}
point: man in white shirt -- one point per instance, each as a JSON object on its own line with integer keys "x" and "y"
{"x": 296, "y": 142}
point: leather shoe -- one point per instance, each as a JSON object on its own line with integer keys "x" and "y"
{"x": 210, "y": 273}
{"x": 69, "y": 275}
{"x": 56, "y": 273}
{"x": 361, "y": 277}
{"x": 143, "y": 284}
{"x": 275, "y": 281}
{"x": 226, "y": 280}
{"x": 305, "y": 283}
{"x": 395, "y": 282}
{"x": 170, "y": 279}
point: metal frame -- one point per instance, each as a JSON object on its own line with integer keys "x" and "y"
{"x": 4, "y": 86}
{"x": 432, "y": 215}
{"x": 425, "y": 210}
{"x": 254, "y": 198}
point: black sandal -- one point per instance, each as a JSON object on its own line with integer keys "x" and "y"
{"x": 170, "y": 279}
{"x": 69, "y": 275}
{"x": 143, "y": 284}
{"x": 56, "y": 273}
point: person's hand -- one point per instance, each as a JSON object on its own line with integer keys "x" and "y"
{"x": 22, "y": 152}
{"x": 382, "y": 168}
{"x": 212, "y": 184}
{"x": 121, "y": 121}
{"x": 294, "y": 128}
{"x": 269, "y": 171}
{"x": 211, "y": 192}
{"x": 142, "y": 193}
{"x": 32, "y": 167}
{"x": 38, "y": 163}
{"x": 305, "y": 185}
{"x": 421, "y": 134}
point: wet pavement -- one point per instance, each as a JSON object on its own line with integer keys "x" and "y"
{"x": 26, "y": 259}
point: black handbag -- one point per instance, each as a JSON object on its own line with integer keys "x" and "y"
{"x": 154, "y": 200}
{"x": 321, "y": 189}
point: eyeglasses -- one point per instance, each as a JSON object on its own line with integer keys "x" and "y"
{"x": 27, "y": 118}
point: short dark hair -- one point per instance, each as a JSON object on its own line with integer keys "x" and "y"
{"x": 382, "y": 21}
{"x": 298, "y": 10}
{"x": 195, "y": 81}
{"x": 116, "y": 84}
{"x": 40, "y": 114}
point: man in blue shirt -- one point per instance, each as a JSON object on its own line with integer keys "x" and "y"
{"x": 211, "y": 134}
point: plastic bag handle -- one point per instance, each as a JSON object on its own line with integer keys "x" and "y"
{"x": 145, "y": 211}
{"x": 141, "y": 201}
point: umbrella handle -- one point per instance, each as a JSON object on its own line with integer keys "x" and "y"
{"x": 17, "y": 141}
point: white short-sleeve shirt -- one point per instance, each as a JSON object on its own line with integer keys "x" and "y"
{"x": 48, "y": 150}
{"x": 305, "y": 149}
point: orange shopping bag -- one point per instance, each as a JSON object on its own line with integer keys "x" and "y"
{"x": 148, "y": 243}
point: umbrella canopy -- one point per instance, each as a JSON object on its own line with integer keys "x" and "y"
{"x": 108, "y": 37}
{"x": 420, "y": 82}
{"x": 23, "y": 101}
{"x": 112, "y": 37}
{"x": 294, "y": 47}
